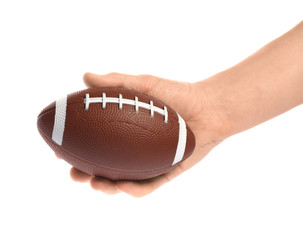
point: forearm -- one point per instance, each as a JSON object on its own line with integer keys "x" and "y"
{"x": 262, "y": 86}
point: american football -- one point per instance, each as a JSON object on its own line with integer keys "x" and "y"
{"x": 116, "y": 133}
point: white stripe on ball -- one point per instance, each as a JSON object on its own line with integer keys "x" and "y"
{"x": 181, "y": 141}
{"x": 59, "y": 123}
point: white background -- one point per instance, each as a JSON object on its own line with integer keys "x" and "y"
{"x": 249, "y": 187}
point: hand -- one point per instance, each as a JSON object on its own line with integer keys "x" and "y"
{"x": 188, "y": 100}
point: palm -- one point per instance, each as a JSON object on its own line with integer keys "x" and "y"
{"x": 182, "y": 97}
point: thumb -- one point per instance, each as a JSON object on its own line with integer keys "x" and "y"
{"x": 142, "y": 83}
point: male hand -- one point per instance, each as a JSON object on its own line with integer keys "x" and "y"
{"x": 188, "y": 100}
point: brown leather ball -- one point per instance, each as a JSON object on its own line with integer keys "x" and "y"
{"x": 116, "y": 133}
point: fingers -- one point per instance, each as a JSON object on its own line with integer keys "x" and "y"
{"x": 95, "y": 80}
{"x": 97, "y": 183}
{"x": 142, "y": 83}
{"x": 133, "y": 188}
{"x": 137, "y": 188}
{"x": 79, "y": 176}
{"x": 141, "y": 188}
{"x": 145, "y": 187}
{"x": 104, "y": 185}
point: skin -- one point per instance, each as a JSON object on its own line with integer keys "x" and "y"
{"x": 264, "y": 85}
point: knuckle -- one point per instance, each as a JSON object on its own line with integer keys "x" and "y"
{"x": 113, "y": 74}
{"x": 145, "y": 76}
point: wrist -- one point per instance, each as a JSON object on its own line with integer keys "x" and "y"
{"x": 213, "y": 110}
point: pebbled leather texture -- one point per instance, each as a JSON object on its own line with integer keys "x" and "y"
{"x": 116, "y": 143}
